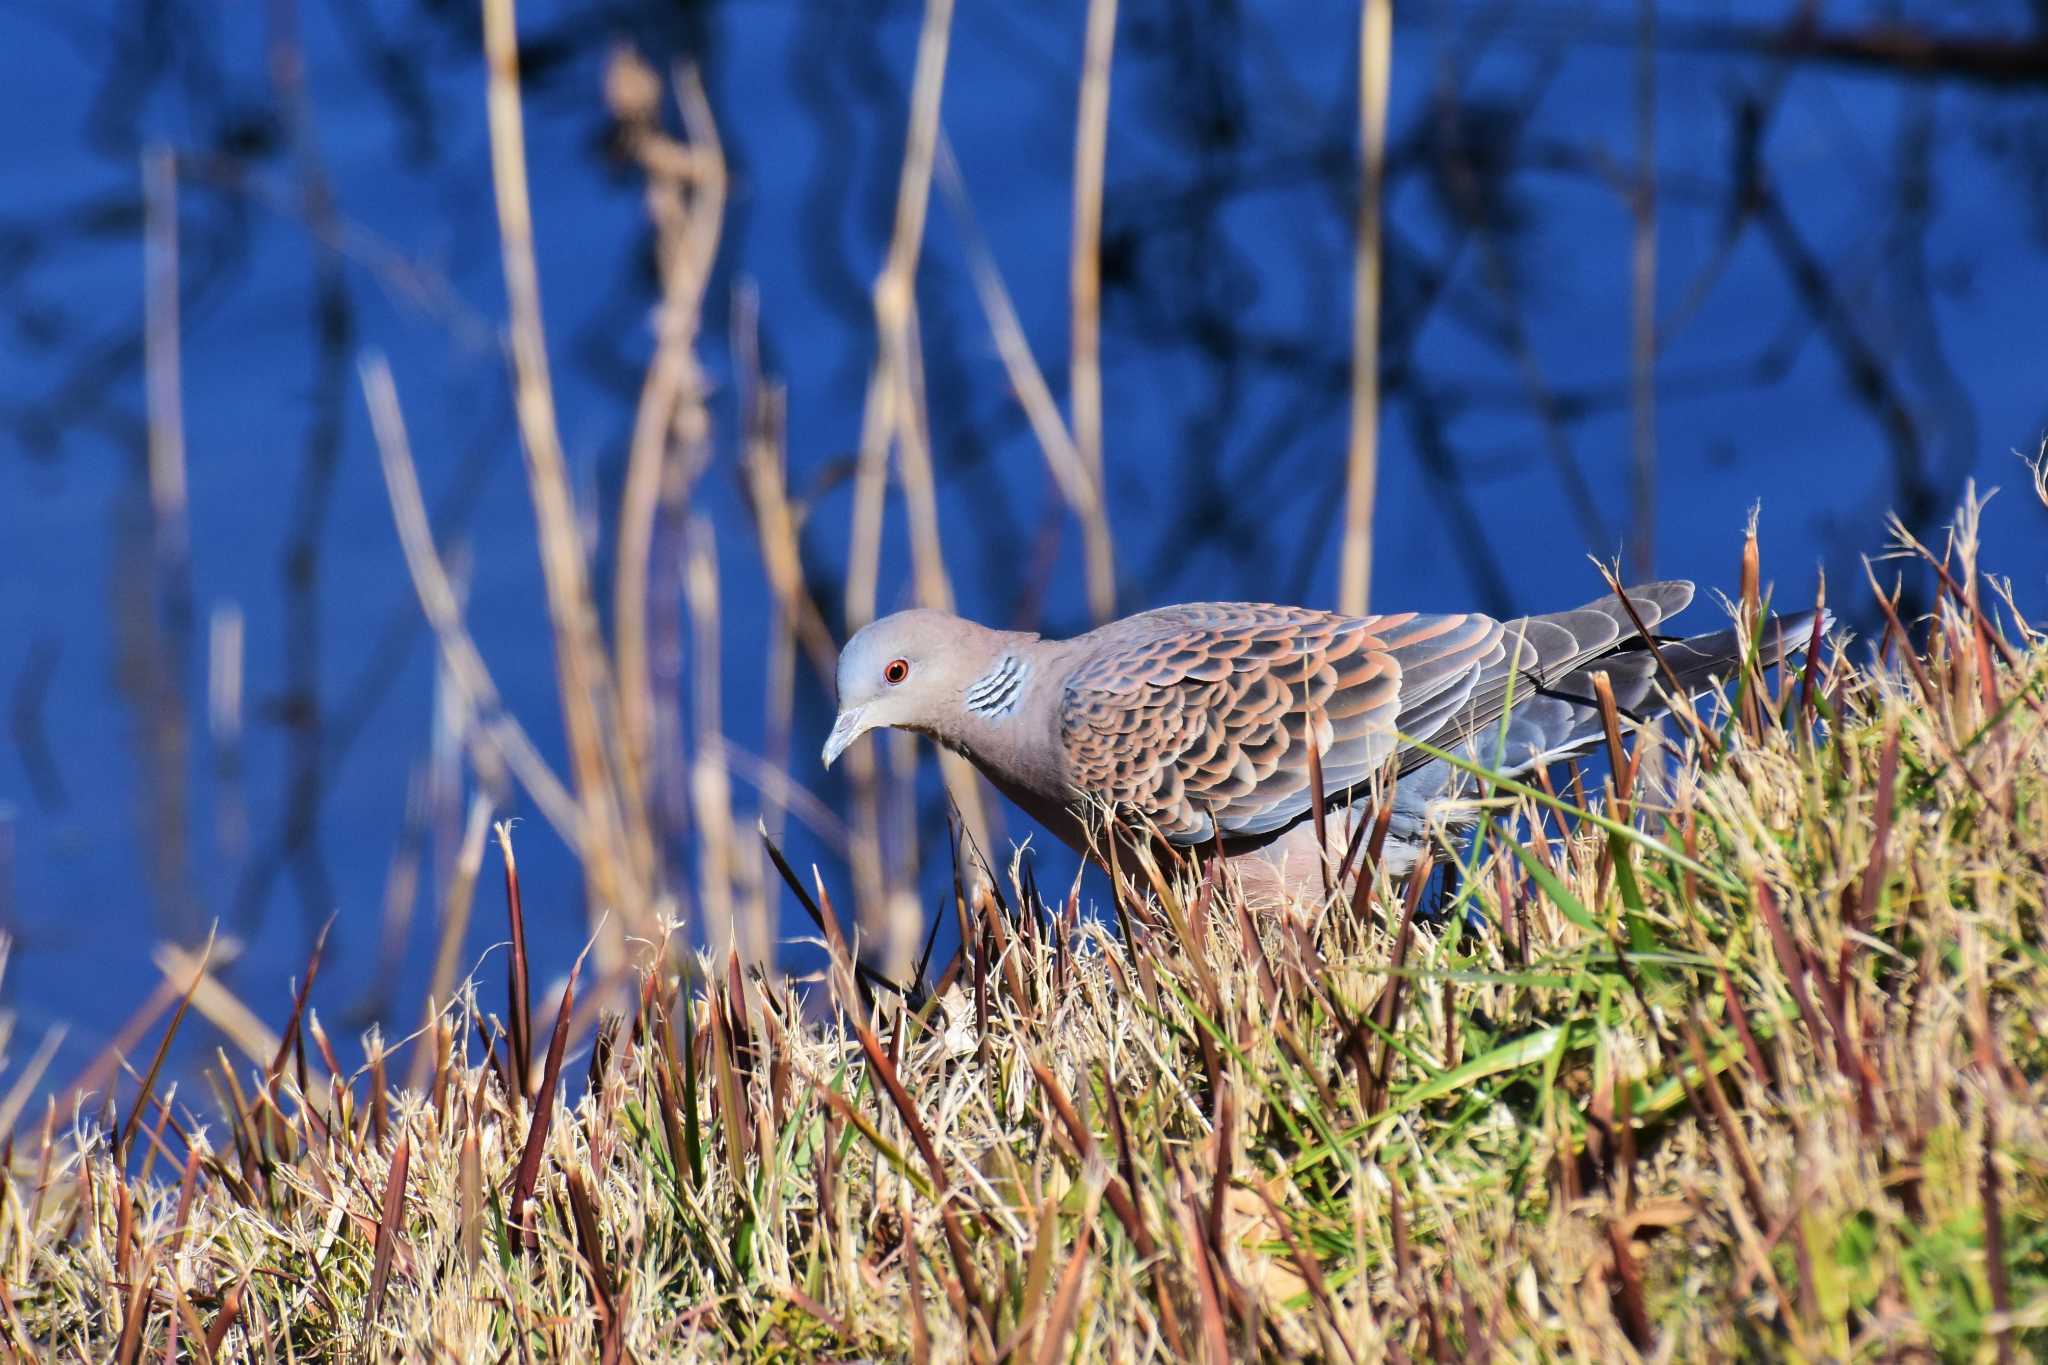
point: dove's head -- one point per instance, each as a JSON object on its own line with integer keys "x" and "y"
{"x": 910, "y": 671}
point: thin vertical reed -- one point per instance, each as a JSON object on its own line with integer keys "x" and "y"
{"x": 1643, "y": 298}
{"x": 1375, "y": 69}
{"x": 1084, "y": 368}
{"x": 583, "y": 677}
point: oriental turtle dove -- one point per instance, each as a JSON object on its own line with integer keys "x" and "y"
{"x": 1198, "y": 721}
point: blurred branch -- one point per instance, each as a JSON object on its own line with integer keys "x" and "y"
{"x": 1084, "y": 371}
{"x": 1375, "y": 62}
{"x": 1866, "y": 370}
{"x": 26, "y": 724}
{"x": 406, "y": 279}
{"x": 1891, "y": 48}
{"x": 1510, "y": 333}
{"x": 1888, "y": 47}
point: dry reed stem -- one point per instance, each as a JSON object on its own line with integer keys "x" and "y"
{"x": 798, "y": 623}
{"x": 161, "y": 365}
{"x": 224, "y": 663}
{"x": 616, "y": 879}
{"x": 894, "y": 297}
{"x": 710, "y": 785}
{"x": 1084, "y": 370}
{"x": 685, "y": 197}
{"x": 777, "y": 526}
{"x": 1027, "y": 381}
{"x": 1375, "y": 65}
{"x": 455, "y": 912}
{"x": 1643, "y": 298}
{"x": 893, "y": 417}
{"x": 494, "y": 726}
{"x": 934, "y": 589}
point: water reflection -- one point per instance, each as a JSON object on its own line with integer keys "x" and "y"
{"x": 1849, "y": 238}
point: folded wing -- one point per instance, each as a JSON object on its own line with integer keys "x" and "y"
{"x": 1199, "y": 718}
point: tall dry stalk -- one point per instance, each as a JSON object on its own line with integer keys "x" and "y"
{"x": 710, "y": 781}
{"x": 893, "y": 419}
{"x": 1084, "y": 373}
{"x": 161, "y": 366}
{"x": 616, "y": 859}
{"x": 894, "y": 299}
{"x": 493, "y": 729}
{"x": 1375, "y": 66}
{"x": 685, "y": 198}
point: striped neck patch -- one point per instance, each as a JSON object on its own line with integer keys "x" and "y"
{"x": 995, "y": 693}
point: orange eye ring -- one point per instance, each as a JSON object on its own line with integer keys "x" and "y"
{"x": 896, "y": 671}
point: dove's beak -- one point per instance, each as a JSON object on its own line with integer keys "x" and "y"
{"x": 848, "y": 728}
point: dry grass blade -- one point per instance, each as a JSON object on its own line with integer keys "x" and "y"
{"x": 1627, "y": 1288}
{"x": 389, "y": 1218}
{"x": 224, "y": 1321}
{"x": 470, "y": 1202}
{"x": 291, "y": 1041}
{"x": 820, "y": 912}
{"x": 1997, "y": 1267}
{"x": 1681, "y": 697}
{"x": 590, "y": 1244}
{"x": 544, "y": 1106}
{"x": 729, "y": 1090}
{"x": 1871, "y": 888}
{"x": 1209, "y": 1297}
{"x": 920, "y": 1330}
{"x": 518, "y": 1025}
{"x": 1610, "y": 724}
{"x": 163, "y": 1047}
{"x": 1066, "y": 1303}
{"x": 892, "y": 1082}
{"x": 1118, "y": 1192}
{"x": 1317, "y": 802}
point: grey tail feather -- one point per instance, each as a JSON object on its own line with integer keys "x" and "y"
{"x": 1561, "y": 719}
{"x": 1640, "y": 683}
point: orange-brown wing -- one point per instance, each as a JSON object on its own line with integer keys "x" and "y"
{"x": 1197, "y": 718}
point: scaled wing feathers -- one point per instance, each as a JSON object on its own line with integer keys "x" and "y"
{"x": 1197, "y": 718}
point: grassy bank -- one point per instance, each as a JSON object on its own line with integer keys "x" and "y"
{"x": 1750, "y": 1066}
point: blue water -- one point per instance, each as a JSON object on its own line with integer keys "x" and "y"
{"x": 1226, "y": 342}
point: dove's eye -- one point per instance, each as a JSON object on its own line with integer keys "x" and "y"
{"x": 896, "y": 672}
